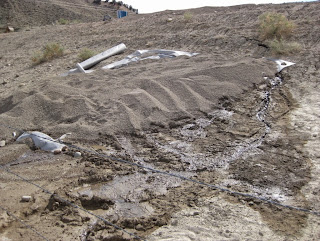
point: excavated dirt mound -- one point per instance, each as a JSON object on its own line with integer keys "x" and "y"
{"x": 224, "y": 117}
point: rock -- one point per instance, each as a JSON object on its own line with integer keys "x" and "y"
{"x": 77, "y": 154}
{"x": 139, "y": 227}
{"x": 10, "y": 29}
{"x": 174, "y": 223}
{"x": 169, "y": 20}
{"x": 2, "y": 143}
{"x": 196, "y": 213}
{"x": 26, "y": 198}
{"x": 72, "y": 218}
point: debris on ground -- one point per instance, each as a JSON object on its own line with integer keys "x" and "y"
{"x": 2, "y": 143}
{"x": 148, "y": 54}
{"x": 45, "y": 142}
{"x": 85, "y": 65}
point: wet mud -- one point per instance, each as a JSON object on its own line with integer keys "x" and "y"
{"x": 245, "y": 146}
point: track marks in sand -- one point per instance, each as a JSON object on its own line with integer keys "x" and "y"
{"x": 202, "y": 103}
{"x": 143, "y": 100}
{"x": 169, "y": 97}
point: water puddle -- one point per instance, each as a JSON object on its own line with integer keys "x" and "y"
{"x": 127, "y": 193}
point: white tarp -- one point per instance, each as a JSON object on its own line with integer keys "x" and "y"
{"x": 281, "y": 64}
{"x": 44, "y": 142}
{"x": 148, "y": 54}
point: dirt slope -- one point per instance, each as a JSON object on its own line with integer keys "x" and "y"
{"x": 224, "y": 117}
{"x": 28, "y": 13}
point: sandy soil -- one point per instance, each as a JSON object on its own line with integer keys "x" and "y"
{"x": 224, "y": 117}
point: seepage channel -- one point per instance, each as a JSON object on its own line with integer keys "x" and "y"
{"x": 190, "y": 132}
{"x": 126, "y": 192}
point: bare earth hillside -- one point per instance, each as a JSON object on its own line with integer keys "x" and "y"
{"x": 27, "y": 13}
{"x": 246, "y": 135}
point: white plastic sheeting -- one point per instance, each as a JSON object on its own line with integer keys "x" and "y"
{"x": 147, "y": 54}
{"x": 44, "y": 142}
{"x": 281, "y": 64}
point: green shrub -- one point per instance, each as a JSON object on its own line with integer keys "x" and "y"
{"x": 187, "y": 16}
{"x": 275, "y": 26}
{"x": 282, "y": 47}
{"x": 85, "y": 54}
{"x": 49, "y": 52}
{"x": 63, "y": 21}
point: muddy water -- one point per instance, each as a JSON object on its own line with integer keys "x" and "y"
{"x": 180, "y": 146}
{"x": 190, "y": 132}
{"x": 223, "y": 149}
{"x": 126, "y": 194}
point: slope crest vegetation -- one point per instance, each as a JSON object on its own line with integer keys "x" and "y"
{"x": 275, "y": 25}
{"x": 275, "y": 29}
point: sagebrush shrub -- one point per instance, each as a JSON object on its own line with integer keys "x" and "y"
{"x": 275, "y": 26}
{"x": 187, "y": 16}
{"x": 49, "y": 52}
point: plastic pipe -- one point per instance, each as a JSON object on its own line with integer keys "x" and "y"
{"x": 99, "y": 57}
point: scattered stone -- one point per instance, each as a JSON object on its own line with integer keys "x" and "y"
{"x": 2, "y": 143}
{"x": 72, "y": 218}
{"x": 149, "y": 44}
{"x": 174, "y": 222}
{"x": 169, "y": 20}
{"x": 263, "y": 86}
{"x": 10, "y": 29}
{"x": 26, "y": 198}
{"x": 77, "y": 154}
{"x": 139, "y": 227}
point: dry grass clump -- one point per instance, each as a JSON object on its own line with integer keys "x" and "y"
{"x": 85, "y": 54}
{"x": 282, "y": 47}
{"x": 49, "y": 52}
{"x": 187, "y": 16}
{"x": 274, "y": 29}
{"x": 63, "y": 21}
